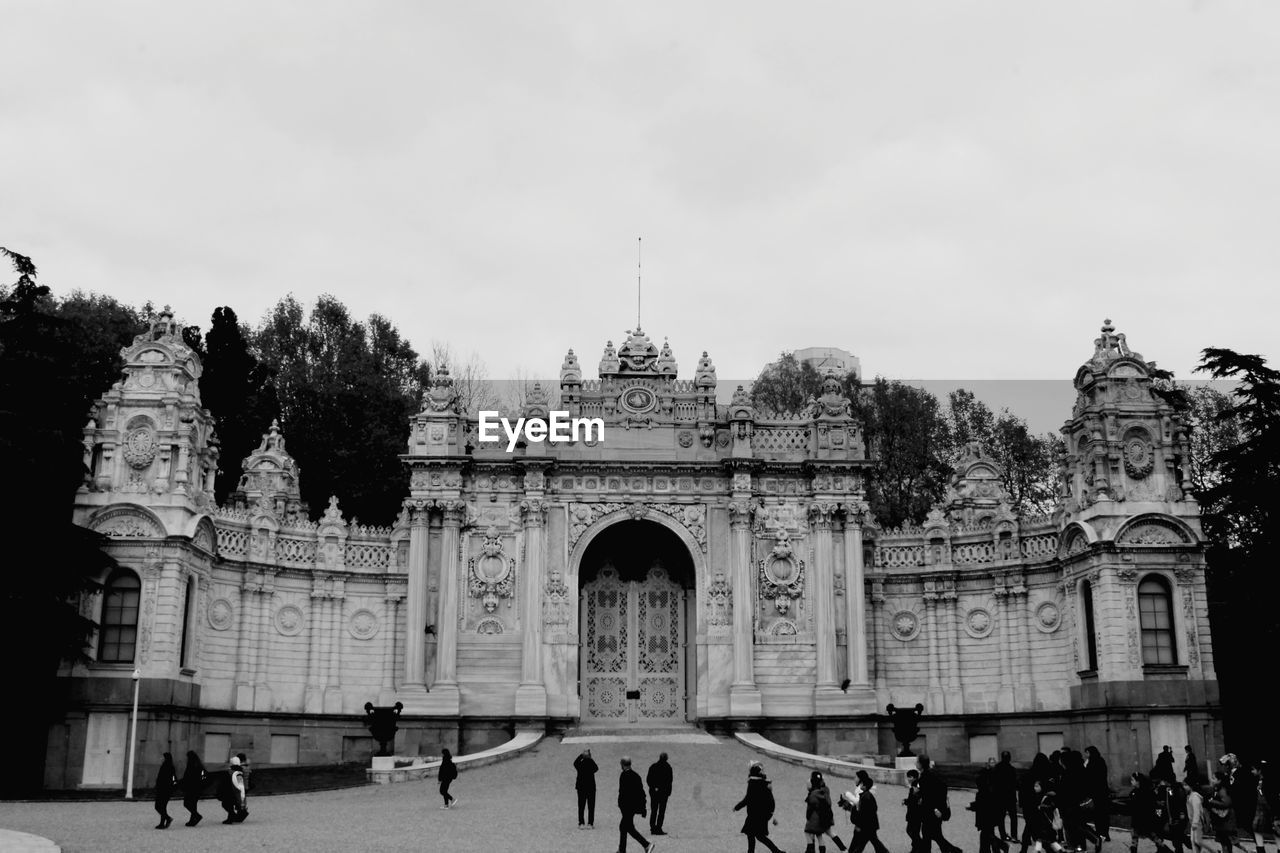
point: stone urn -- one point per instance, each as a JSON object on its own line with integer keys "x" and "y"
{"x": 906, "y": 726}
{"x": 382, "y": 725}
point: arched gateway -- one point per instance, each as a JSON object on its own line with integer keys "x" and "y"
{"x": 702, "y": 560}
{"x": 636, "y": 603}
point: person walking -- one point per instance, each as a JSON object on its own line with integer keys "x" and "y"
{"x": 447, "y": 773}
{"x": 631, "y": 802}
{"x": 231, "y": 792}
{"x": 1197, "y": 818}
{"x": 1265, "y": 808}
{"x": 935, "y": 808}
{"x": 759, "y": 803}
{"x": 915, "y": 811}
{"x": 1191, "y": 768}
{"x": 818, "y": 817}
{"x": 245, "y": 772}
{"x": 585, "y": 767}
{"x": 166, "y": 781}
{"x": 1036, "y": 782}
{"x": 1098, "y": 789}
{"x": 192, "y": 782}
{"x": 659, "y": 781}
{"x": 1222, "y": 812}
{"x": 864, "y": 813}
{"x": 1005, "y": 779}
{"x": 988, "y": 811}
{"x": 1142, "y": 812}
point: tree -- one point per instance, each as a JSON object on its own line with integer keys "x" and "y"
{"x": 1027, "y": 462}
{"x": 476, "y": 392}
{"x": 345, "y": 392}
{"x": 907, "y": 436}
{"x": 53, "y": 360}
{"x": 788, "y": 384}
{"x": 233, "y": 387}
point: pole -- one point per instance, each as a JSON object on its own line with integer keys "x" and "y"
{"x": 133, "y": 736}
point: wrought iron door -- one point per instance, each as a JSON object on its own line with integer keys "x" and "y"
{"x": 633, "y": 655}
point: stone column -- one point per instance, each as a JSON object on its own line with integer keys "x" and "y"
{"x": 390, "y": 627}
{"x": 855, "y": 632}
{"x": 878, "y": 641}
{"x": 244, "y": 649}
{"x": 935, "y": 703}
{"x": 444, "y": 697}
{"x": 531, "y": 695}
{"x": 1004, "y": 698}
{"x": 744, "y": 695}
{"x": 827, "y": 696}
{"x": 1024, "y": 688}
{"x": 313, "y": 699}
{"x": 261, "y": 688}
{"x": 413, "y": 681}
{"x": 337, "y": 626}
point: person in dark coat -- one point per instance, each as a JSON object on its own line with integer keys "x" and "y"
{"x": 988, "y": 811}
{"x": 1266, "y": 806}
{"x": 192, "y": 782}
{"x": 231, "y": 791}
{"x": 1098, "y": 789}
{"x": 915, "y": 811}
{"x": 1040, "y": 809}
{"x": 448, "y": 772}
{"x": 1036, "y": 782}
{"x": 1222, "y": 812}
{"x": 585, "y": 767}
{"x": 659, "y": 781}
{"x": 1191, "y": 768}
{"x": 864, "y": 813}
{"x": 1163, "y": 771}
{"x": 818, "y": 816}
{"x": 631, "y": 802}
{"x": 758, "y": 801}
{"x": 1005, "y": 781}
{"x": 935, "y": 808}
{"x": 166, "y": 781}
{"x": 1142, "y": 812}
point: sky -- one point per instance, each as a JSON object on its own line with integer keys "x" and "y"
{"x": 959, "y": 191}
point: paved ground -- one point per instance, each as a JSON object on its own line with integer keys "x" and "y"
{"x": 524, "y": 804}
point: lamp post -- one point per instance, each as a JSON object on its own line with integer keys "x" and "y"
{"x": 133, "y": 735}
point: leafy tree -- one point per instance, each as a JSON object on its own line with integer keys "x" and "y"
{"x": 907, "y": 436}
{"x": 1027, "y": 461}
{"x": 1243, "y": 489}
{"x": 1236, "y": 471}
{"x": 54, "y": 359}
{"x": 787, "y": 385}
{"x": 234, "y": 388}
{"x": 345, "y": 392}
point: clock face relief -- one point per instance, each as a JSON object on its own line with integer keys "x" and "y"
{"x": 637, "y": 400}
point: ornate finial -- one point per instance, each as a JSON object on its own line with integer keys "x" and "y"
{"x": 1109, "y": 345}
{"x": 705, "y": 375}
{"x": 441, "y": 396}
{"x": 332, "y": 515}
{"x": 536, "y": 403}
{"x": 570, "y": 370}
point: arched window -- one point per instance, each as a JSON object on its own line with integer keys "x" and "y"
{"x": 119, "y": 632}
{"x": 1155, "y": 607}
{"x": 1090, "y": 633}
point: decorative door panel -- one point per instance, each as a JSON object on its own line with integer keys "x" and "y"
{"x": 104, "y": 749}
{"x": 633, "y": 649}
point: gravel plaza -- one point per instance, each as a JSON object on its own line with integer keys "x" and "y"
{"x": 524, "y": 804}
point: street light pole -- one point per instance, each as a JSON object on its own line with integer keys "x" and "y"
{"x": 133, "y": 735}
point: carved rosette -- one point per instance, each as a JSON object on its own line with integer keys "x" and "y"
{"x": 1139, "y": 457}
{"x": 782, "y": 575}
{"x": 221, "y": 614}
{"x": 289, "y": 620}
{"x": 363, "y": 624}
{"x": 905, "y": 625}
{"x": 491, "y": 574}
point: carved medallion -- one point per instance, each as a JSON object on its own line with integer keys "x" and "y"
{"x": 289, "y": 620}
{"x": 978, "y": 623}
{"x": 906, "y": 625}
{"x": 363, "y": 624}
{"x": 221, "y": 614}
{"x": 1139, "y": 458}
{"x": 637, "y": 399}
{"x": 1048, "y": 618}
{"x": 139, "y": 448}
{"x": 686, "y": 438}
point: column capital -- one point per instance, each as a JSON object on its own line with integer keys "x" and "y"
{"x": 822, "y": 514}
{"x": 740, "y": 512}
{"x": 418, "y": 509}
{"x": 856, "y": 512}
{"x": 452, "y": 510}
{"x": 533, "y": 511}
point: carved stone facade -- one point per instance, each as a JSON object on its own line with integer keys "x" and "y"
{"x": 802, "y": 613}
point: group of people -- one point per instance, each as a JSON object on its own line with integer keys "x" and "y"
{"x": 232, "y": 788}
{"x": 631, "y": 797}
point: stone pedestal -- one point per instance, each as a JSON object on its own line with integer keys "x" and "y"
{"x": 744, "y": 700}
{"x": 531, "y": 700}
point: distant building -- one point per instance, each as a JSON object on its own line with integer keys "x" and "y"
{"x": 829, "y": 358}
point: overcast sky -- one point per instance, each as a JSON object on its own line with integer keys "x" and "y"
{"x": 949, "y": 190}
